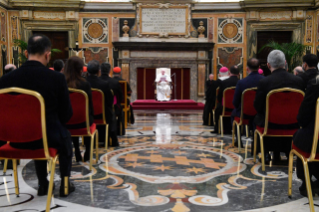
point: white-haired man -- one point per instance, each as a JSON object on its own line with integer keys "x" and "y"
{"x": 279, "y": 78}
{"x": 163, "y": 86}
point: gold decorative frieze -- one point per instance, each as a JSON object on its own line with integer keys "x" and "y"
{"x": 163, "y": 20}
{"x": 278, "y": 15}
{"x": 49, "y": 15}
{"x": 309, "y": 24}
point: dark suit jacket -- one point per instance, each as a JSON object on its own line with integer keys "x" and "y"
{"x": 85, "y": 86}
{"x": 115, "y": 86}
{"x": 98, "y": 83}
{"x": 306, "y": 118}
{"x": 249, "y": 82}
{"x": 52, "y": 86}
{"x": 279, "y": 78}
{"x": 129, "y": 90}
{"x": 230, "y": 82}
{"x": 210, "y": 92}
{"x": 308, "y": 75}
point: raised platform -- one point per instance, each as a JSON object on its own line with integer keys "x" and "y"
{"x": 156, "y": 105}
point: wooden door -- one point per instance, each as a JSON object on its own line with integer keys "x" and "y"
{"x": 263, "y": 38}
{"x": 59, "y": 41}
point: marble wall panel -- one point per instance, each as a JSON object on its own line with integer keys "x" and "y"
{"x": 229, "y": 56}
{"x": 3, "y": 26}
{"x": 116, "y": 29}
{"x": 210, "y": 29}
{"x": 99, "y": 54}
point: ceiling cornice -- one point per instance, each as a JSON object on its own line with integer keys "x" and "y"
{"x": 259, "y": 5}
{"x": 74, "y": 5}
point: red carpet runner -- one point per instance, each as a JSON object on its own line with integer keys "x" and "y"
{"x": 155, "y": 105}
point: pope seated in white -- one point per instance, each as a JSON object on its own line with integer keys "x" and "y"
{"x": 163, "y": 86}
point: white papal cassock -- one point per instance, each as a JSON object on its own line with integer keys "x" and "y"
{"x": 163, "y": 87}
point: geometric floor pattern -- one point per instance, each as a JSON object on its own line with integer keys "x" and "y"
{"x": 167, "y": 161}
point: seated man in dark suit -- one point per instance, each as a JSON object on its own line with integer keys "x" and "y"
{"x": 309, "y": 65}
{"x": 93, "y": 72}
{"x": 303, "y": 138}
{"x": 117, "y": 90}
{"x": 279, "y": 78}
{"x": 249, "y": 82}
{"x": 230, "y": 82}
{"x": 34, "y": 75}
{"x": 117, "y": 76}
{"x": 210, "y": 93}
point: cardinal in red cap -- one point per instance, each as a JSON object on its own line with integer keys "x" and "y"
{"x": 223, "y": 73}
{"x": 117, "y": 70}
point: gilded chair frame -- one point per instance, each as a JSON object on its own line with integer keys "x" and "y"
{"x": 216, "y": 102}
{"x": 235, "y": 123}
{"x": 51, "y": 160}
{"x": 103, "y": 117}
{"x": 126, "y": 108}
{"x": 221, "y": 128}
{"x": 305, "y": 161}
{"x": 89, "y": 134}
{"x": 261, "y": 136}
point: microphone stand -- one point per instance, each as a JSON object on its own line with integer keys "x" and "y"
{"x": 174, "y": 75}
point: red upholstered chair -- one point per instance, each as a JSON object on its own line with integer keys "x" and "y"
{"x": 20, "y": 126}
{"x": 228, "y": 106}
{"x": 216, "y": 102}
{"x": 80, "y": 105}
{"x": 282, "y": 106}
{"x": 247, "y": 109}
{"x": 126, "y": 108}
{"x": 305, "y": 158}
{"x": 99, "y": 111}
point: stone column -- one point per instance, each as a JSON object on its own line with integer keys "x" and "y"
{"x": 126, "y": 71}
{"x": 201, "y": 79}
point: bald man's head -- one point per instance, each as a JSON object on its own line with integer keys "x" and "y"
{"x": 9, "y": 67}
{"x": 211, "y": 77}
{"x": 38, "y": 44}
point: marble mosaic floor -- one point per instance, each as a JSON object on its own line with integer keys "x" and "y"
{"x": 167, "y": 162}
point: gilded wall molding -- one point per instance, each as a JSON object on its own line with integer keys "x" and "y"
{"x": 47, "y": 5}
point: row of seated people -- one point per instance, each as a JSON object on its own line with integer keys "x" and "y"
{"x": 300, "y": 114}
{"x": 54, "y": 88}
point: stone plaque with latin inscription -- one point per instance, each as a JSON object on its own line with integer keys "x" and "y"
{"x": 164, "y": 20}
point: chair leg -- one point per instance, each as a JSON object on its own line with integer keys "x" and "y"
{"x": 209, "y": 121}
{"x": 221, "y": 126}
{"x": 238, "y": 138}
{"x": 91, "y": 152}
{"x": 262, "y": 152}
{"x": 233, "y": 134}
{"x": 291, "y": 159}
{"x": 255, "y": 145}
{"x": 308, "y": 185}
{"x": 125, "y": 119}
{"x": 15, "y": 173}
{"x": 51, "y": 185}
{"x": 247, "y": 131}
{"x": 5, "y": 166}
{"x": 97, "y": 146}
{"x": 106, "y": 136}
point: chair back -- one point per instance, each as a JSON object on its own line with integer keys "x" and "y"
{"x": 216, "y": 100}
{"x": 22, "y": 117}
{"x": 80, "y": 106}
{"x": 98, "y": 106}
{"x": 316, "y": 134}
{"x": 247, "y": 103}
{"x": 282, "y": 107}
{"x": 124, "y": 89}
{"x": 228, "y": 97}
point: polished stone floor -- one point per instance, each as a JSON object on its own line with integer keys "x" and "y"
{"x": 168, "y": 161}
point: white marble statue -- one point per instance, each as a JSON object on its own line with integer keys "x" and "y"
{"x": 163, "y": 85}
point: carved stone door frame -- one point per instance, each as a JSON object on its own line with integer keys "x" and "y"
{"x": 72, "y": 27}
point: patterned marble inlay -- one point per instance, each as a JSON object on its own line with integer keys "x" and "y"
{"x": 169, "y": 162}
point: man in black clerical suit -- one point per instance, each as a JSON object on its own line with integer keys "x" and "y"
{"x": 117, "y": 77}
{"x": 230, "y": 82}
{"x": 210, "y": 93}
{"x": 303, "y": 138}
{"x": 34, "y": 75}
{"x": 93, "y": 69}
{"x": 279, "y": 78}
{"x": 118, "y": 93}
{"x": 309, "y": 65}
